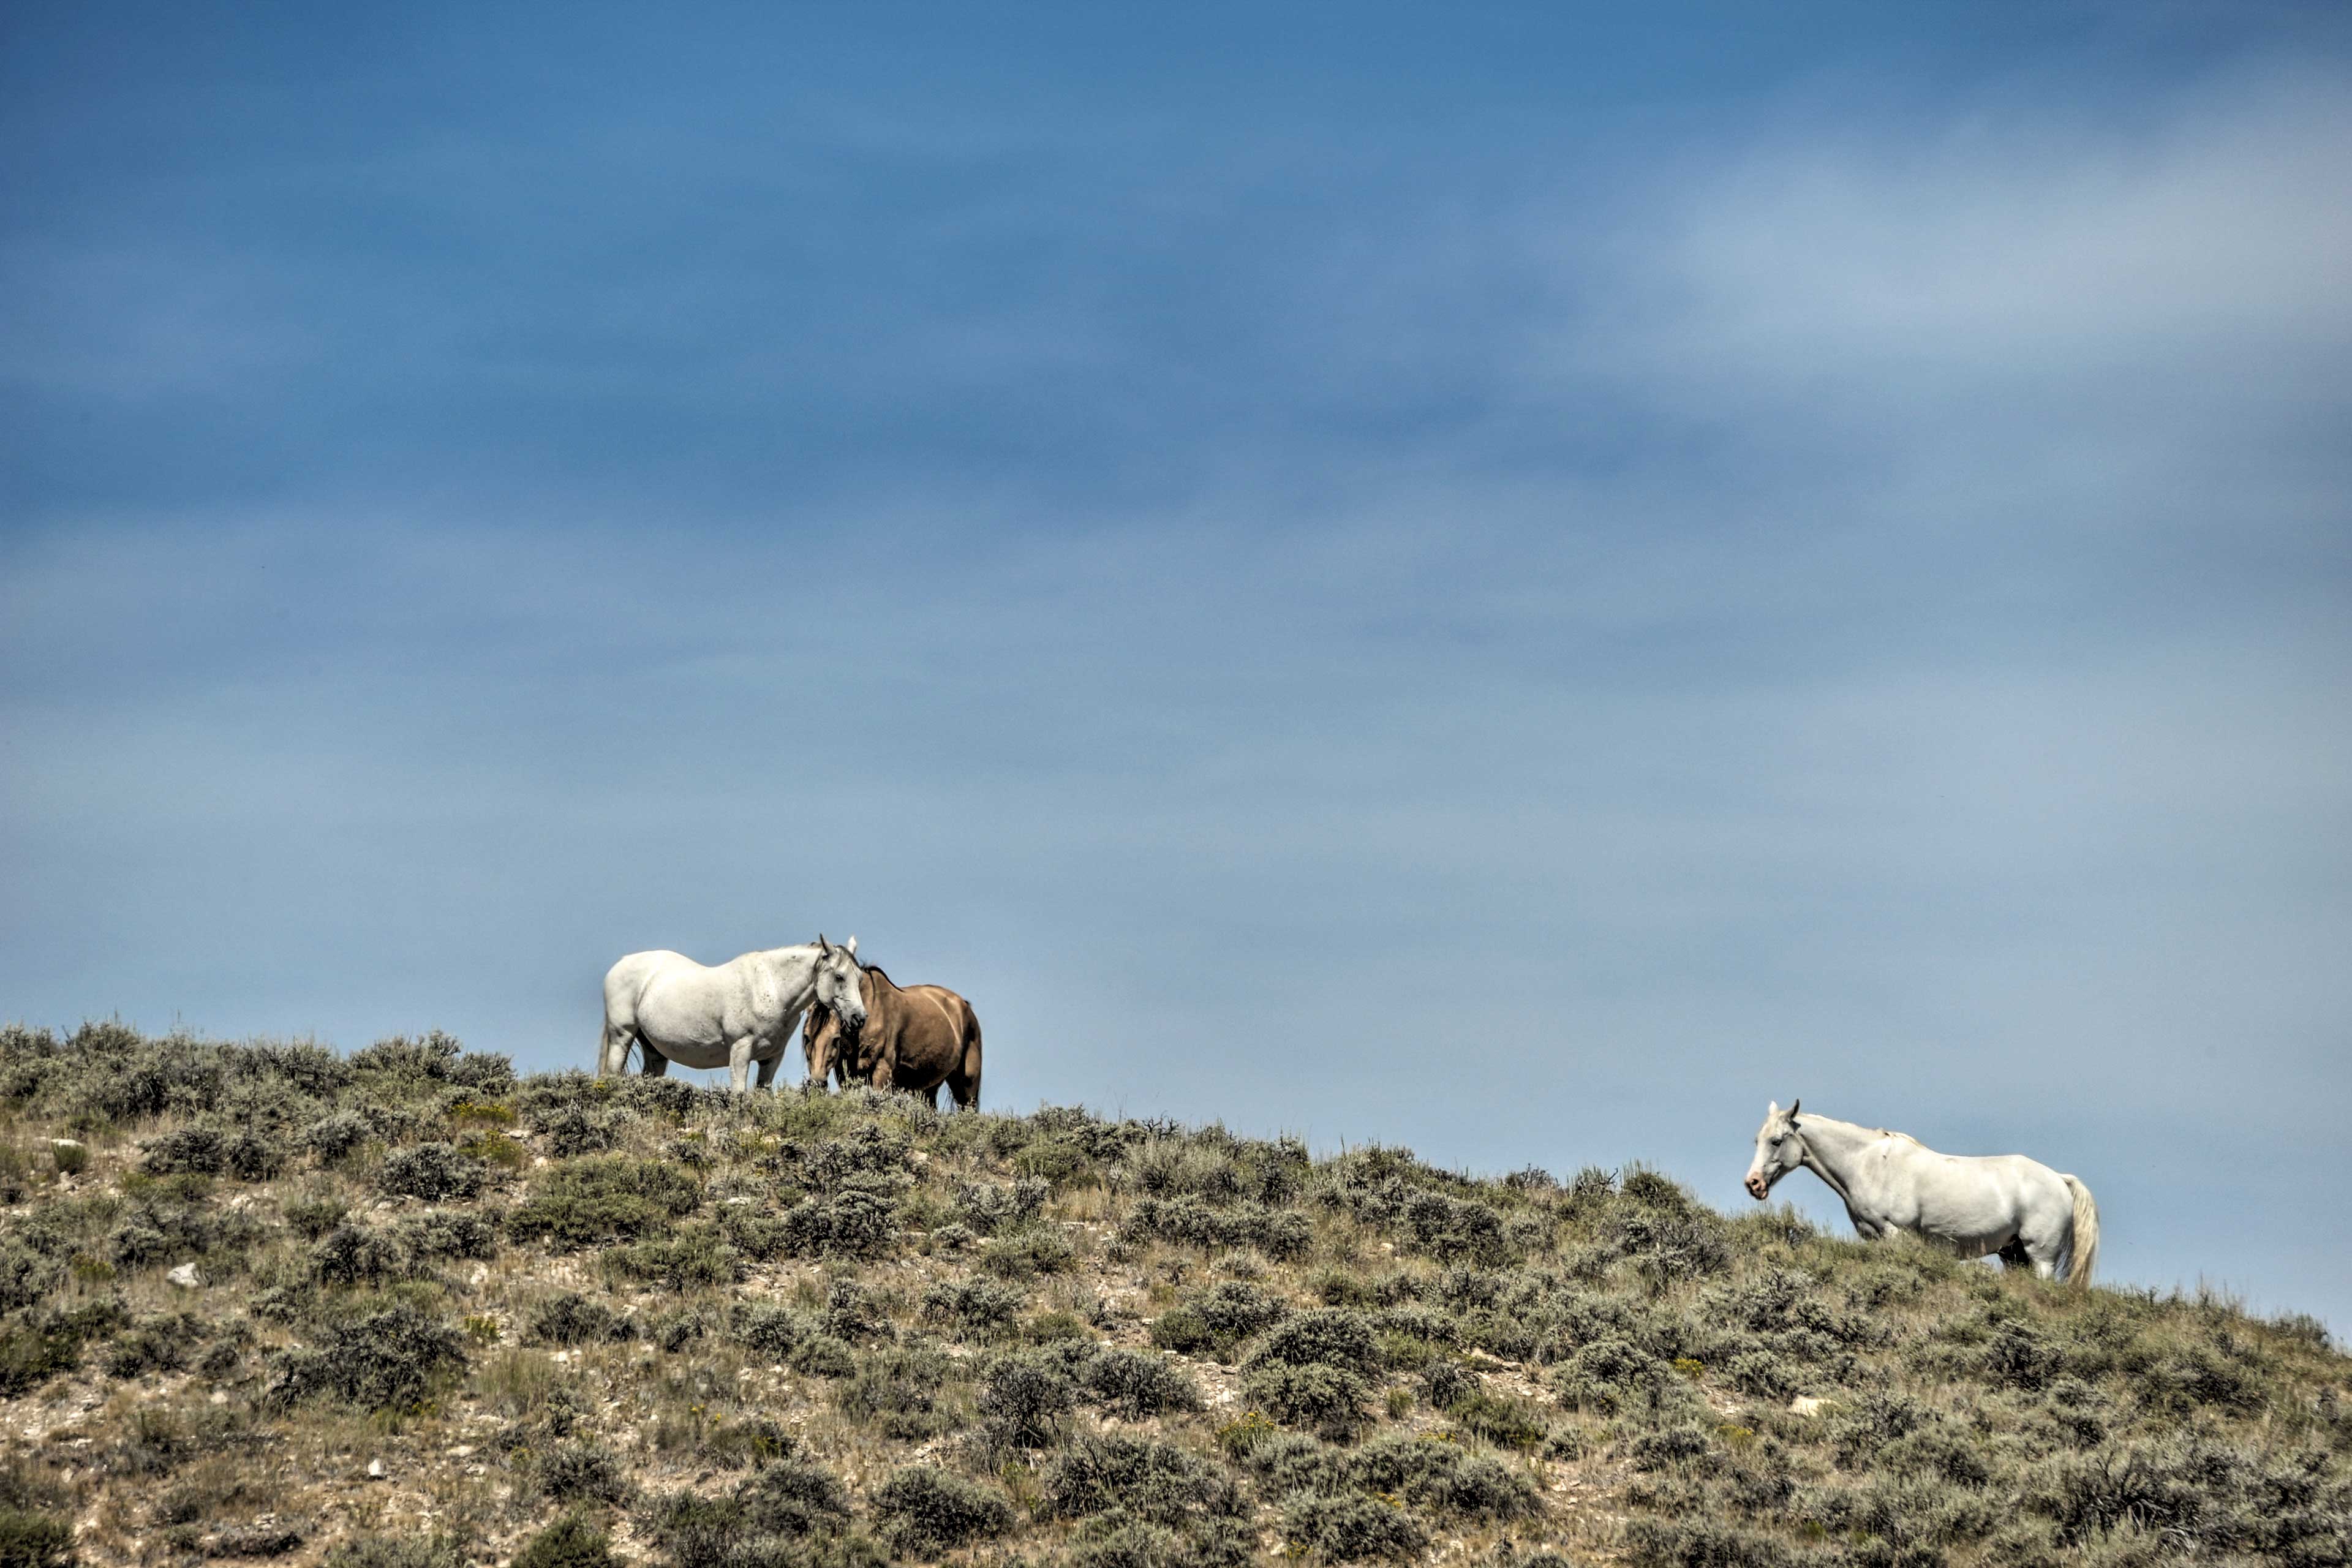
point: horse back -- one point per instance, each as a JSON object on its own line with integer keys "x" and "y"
{"x": 626, "y": 981}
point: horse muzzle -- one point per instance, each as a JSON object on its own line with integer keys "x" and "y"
{"x": 1759, "y": 1188}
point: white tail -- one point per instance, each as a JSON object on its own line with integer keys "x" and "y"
{"x": 2083, "y": 1252}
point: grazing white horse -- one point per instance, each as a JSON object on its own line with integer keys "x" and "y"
{"x": 1974, "y": 1205}
{"x": 741, "y": 1012}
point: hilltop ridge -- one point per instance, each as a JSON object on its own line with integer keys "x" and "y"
{"x": 404, "y": 1308}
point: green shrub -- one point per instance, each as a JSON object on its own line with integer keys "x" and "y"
{"x": 572, "y": 1541}
{"x": 588, "y": 1203}
{"x": 853, "y": 1313}
{"x": 401, "y": 1065}
{"x": 1505, "y": 1423}
{"x": 1283, "y": 1234}
{"x": 1117, "y": 1539}
{"x": 1445, "y": 1383}
{"x": 1328, "y": 1398}
{"x": 313, "y": 1217}
{"x": 432, "y": 1237}
{"x": 1219, "y": 1318}
{"x": 436, "y": 1173}
{"x": 1134, "y": 1384}
{"x": 1349, "y": 1527}
{"x": 1704, "y": 1543}
{"x": 1150, "y": 1480}
{"x": 1443, "y": 1478}
{"x": 352, "y": 1255}
{"x": 1026, "y": 1252}
{"x": 570, "y": 1318}
{"x": 791, "y": 1514}
{"x": 753, "y": 1441}
{"x": 164, "y": 1342}
{"x": 1053, "y": 1162}
{"x": 902, "y": 1391}
{"x": 397, "y": 1552}
{"x": 850, "y": 1224}
{"x": 1027, "y": 1397}
{"x": 1330, "y": 1336}
{"x": 984, "y": 1208}
{"x": 974, "y": 1308}
{"x": 1604, "y": 1373}
{"x": 386, "y": 1360}
{"x": 37, "y": 1344}
{"x": 693, "y": 1259}
{"x": 31, "y": 1539}
{"x": 794, "y": 1496}
{"x": 925, "y": 1511}
{"x": 336, "y": 1138}
{"x": 26, "y": 1277}
{"x": 577, "y": 1472}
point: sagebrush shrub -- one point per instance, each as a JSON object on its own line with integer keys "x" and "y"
{"x": 434, "y": 1171}
{"x": 579, "y": 1472}
{"x": 1134, "y": 1384}
{"x": 974, "y": 1308}
{"x": 925, "y": 1511}
{"x": 1026, "y": 1398}
{"x": 385, "y": 1361}
{"x": 902, "y": 1391}
{"x": 589, "y": 1202}
{"x": 1349, "y": 1526}
{"x": 572, "y": 1541}
{"x": 570, "y": 1318}
{"x": 1152, "y": 1480}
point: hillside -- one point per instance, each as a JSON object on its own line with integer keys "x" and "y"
{"x": 404, "y": 1311}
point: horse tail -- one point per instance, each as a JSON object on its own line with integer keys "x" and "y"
{"x": 971, "y": 1063}
{"x": 2083, "y": 1252}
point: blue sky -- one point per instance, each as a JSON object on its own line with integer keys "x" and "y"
{"x": 1516, "y": 583}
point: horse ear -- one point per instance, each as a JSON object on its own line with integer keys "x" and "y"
{"x": 822, "y": 945}
{"x": 1792, "y": 1110}
{"x": 1771, "y": 1109}
{"x": 850, "y": 947}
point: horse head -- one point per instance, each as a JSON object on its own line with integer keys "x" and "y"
{"x": 837, "y": 988}
{"x": 1779, "y": 1149}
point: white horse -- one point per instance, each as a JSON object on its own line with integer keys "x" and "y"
{"x": 1974, "y": 1205}
{"x": 741, "y": 1012}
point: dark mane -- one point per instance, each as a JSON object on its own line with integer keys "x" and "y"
{"x": 877, "y": 969}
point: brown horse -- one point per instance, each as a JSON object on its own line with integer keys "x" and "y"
{"x": 916, "y": 1039}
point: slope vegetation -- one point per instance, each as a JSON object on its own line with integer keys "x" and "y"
{"x": 403, "y": 1310}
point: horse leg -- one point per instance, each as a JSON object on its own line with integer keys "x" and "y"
{"x": 2043, "y": 1251}
{"x": 932, "y": 1095}
{"x": 657, "y": 1064}
{"x": 613, "y": 1047}
{"x": 768, "y": 1070}
{"x": 739, "y": 1066}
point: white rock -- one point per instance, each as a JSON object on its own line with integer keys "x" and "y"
{"x": 186, "y": 1278}
{"x": 375, "y": 1469}
{"x": 479, "y": 1276}
{"x": 1806, "y": 1405}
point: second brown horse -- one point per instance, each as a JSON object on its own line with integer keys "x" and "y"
{"x": 916, "y": 1039}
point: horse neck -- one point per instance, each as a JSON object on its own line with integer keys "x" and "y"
{"x": 792, "y": 967}
{"x": 1830, "y": 1147}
